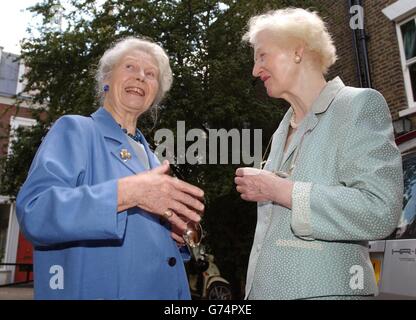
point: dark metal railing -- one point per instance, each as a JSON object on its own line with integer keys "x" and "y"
{"x": 23, "y": 267}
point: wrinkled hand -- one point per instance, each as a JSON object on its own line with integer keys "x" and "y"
{"x": 156, "y": 191}
{"x": 260, "y": 186}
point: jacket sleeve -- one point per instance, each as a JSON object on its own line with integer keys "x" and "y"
{"x": 53, "y": 206}
{"x": 366, "y": 203}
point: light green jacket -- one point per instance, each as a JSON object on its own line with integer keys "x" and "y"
{"x": 348, "y": 189}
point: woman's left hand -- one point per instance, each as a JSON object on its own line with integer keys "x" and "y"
{"x": 260, "y": 185}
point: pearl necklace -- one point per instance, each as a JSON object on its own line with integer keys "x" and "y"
{"x": 293, "y": 124}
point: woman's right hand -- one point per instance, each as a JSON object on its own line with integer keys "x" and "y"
{"x": 157, "y": 192}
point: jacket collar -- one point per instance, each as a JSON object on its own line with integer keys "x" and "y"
{"x": 108, "y": 126}
{"x": 117, "y": 141}
{"x": 319, "y": 106}
{"x": 327, "y": 95}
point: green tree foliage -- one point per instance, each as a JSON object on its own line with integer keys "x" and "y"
{"x": 213, "y": 88}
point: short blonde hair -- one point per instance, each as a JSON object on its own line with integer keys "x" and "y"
{"x": 296, "y": 23}
{"x": 112, "y": 56}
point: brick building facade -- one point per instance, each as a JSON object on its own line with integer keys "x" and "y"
{"x": 386, "y": 68}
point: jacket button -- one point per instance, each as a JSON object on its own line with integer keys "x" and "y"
{"x": 172, "y": 261}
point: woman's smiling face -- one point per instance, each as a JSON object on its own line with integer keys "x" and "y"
{"x": 134, "y": 82}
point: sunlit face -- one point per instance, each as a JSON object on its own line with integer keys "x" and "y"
{"x": 134, "y": 82}
{"x": 274, "y": 65}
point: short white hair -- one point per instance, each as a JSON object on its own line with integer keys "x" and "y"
{"x": 296, "y": 24}
{"x": 112, "y": 56}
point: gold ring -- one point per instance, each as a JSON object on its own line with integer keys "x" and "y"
{"x": 168, "y": 213}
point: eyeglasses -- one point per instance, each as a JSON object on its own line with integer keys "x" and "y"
{"x": 283, "y": 174}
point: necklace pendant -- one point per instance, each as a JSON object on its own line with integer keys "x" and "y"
{"x": 293, "y": 124}
{"x": 263, "y": 164}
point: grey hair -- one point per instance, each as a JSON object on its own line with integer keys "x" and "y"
{"x": 296, "y": 23}
{"x": 111, "y": 57}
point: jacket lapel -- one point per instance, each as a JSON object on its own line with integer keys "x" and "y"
{"x": 320, "y": 106}
{"x": 306, "y": 128}
{"x": 153, "y": 161}
{"x": 278, "y": 142}
{"x": 116, "y": 141}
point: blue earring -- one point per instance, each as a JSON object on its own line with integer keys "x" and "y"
{"x": 106, "y": 88}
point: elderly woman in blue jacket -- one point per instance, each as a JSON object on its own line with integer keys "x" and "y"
{"x": 333, "y": 178}
{"x": 99, "y": 208}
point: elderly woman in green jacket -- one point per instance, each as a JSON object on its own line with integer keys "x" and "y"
{"x": 333, "y": 179}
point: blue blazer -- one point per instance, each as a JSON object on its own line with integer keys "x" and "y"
{"x": 67, "y": 208}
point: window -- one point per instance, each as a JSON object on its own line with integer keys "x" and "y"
{"x": 15, "y": 123}
{"x": 4, "y": 227}
{"x": 9, "y": 228}
{"x": 407, "y": 44}
{"x": 407, "y": 224}
{"x": 21, "y": 80}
